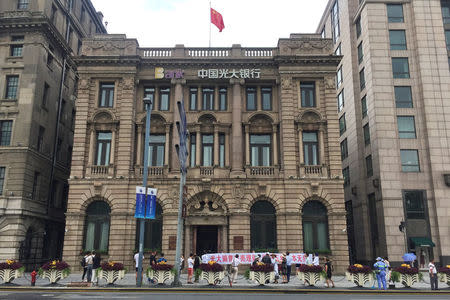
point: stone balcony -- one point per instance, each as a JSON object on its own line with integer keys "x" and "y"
{"x": 155, "y": 172}
{"x": 260, "y": 171}
{"x": 313, "y": 171}
{"x": 101, "y": 171}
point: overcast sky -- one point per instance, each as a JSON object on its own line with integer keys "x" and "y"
{"x": 164, "y": 23}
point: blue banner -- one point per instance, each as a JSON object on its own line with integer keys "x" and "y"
{"x": 140, "y": 202}
{"x": 150, "y": 210}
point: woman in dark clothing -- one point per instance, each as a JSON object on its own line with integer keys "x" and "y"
{"x": 328, "y": 270}
{"x": 284, "y": 269}
{"x": 95, "y": 265}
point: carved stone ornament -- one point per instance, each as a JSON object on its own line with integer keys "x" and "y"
{"x": 330, "y": 83}
{"x": 110, "y": 48}
{"x": 128, "y": 83}
{"x": 307, "y": 46}
{"x": 205, "y": 207}
{"x": 286, "y": 82}
{"x": 84, "y": 84}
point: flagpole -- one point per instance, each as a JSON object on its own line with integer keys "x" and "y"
{"x": 210, "y": 24}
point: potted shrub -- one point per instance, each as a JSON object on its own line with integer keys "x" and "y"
{"x": 262, "y": 273}
{"x": 54, "y": 271}
{"x": 212, "y": 272}
{"x": 444, "y": 274}
{"x": 111, "y": 271}
{"x": 407, "y": 275}
{"x": 10, "y": 270}
{"x": 161, "y": 272}
{"x": 310, "y": 274}
{"x": 359, "y": 274}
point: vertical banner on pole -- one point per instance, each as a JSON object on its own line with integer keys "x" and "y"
{"x": 150, "y": 210}
{"x": 140, "y": 202}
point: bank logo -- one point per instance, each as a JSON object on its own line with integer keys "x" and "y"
{"x": 161, "y": 73}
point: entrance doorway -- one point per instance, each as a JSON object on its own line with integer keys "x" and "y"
{"x": 206, "y": 239}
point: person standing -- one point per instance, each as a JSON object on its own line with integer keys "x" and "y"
{"x": 190, "y": 262}
{"x": 266, "y": 259}
{"x": 83, "y": 264}
{"x": 96, "y": 264}
{"x": 433, "y": 275}
{"x": 289, "y": 266}
{"x": 136, "y": 260}
{"x": 89, "y": 264}
{"x": 275, "y": 267}
{"x": 162, "y": 259}
{"x": 380, "y": 270}
{"x": 153, "y": 258}
{"x": 329, "y": 271}
{"x": 234, "y": 265}
{"x": 284, "y": 268}
{"x": 388, "y": 270}
{"x": 196, "y": 266}
{"x": 316, "y": 261}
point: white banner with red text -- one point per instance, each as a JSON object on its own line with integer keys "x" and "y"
{"x": 248, "y": 258}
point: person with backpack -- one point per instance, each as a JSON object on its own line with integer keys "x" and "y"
{"x": 83, "y": 264}
{"x": 96, "y": 264}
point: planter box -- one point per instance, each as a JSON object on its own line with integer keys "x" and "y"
{"x": 111, "y": 276}
{"x": 212, "y": 277}
{"x": 54, "y": 275}
{"x": 360, "y": 278}
{"x": 262, "y": 277}
{"x": 444, "y": 278}
{"x": 408, "y": 280}
{"x": 160, "y": 276}
{"x": 9, "y": 275}
{"x": 310, "y": 277}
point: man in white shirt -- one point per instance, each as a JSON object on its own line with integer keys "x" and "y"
{"x": 136, "y": 260}
{"x": 190, "y": 262}
{"x": 234, "y": 264}
{"x": 89, "y": 264}
{"x": 316, "y": 259}
{"x": 433, "y": 275}
{"x": 289, "y": 265}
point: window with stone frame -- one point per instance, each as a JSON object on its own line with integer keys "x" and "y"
{"x": 315, "y": 227}
{"x": 266, "y": 98}
{"x": 164, "y": 98}
{"x": 193, "y": 98}
{"x": 310, "y": 148}
{"x": 103, "y": 152}
{"x": 344, "y": 149}
{"x": 223, "y": 103}
{"x": 415, "y": 204}
{"x": 369, "y": 166}
{"x": 97, "y": 227}
{"x": 362, "y": 79}
{"x": 12, "y": 86}
{"x": 193, "y": 149}
{"x": 395, "y": 13}
{"x": 207, "y": 150}
{"x": 251, "y": 98}
{"x": 397, "y": 39}
{"x": 5, "y": 132}
{"x": 342, "y": 125}
{"x": 260, "y": 150}
{"x": 358, "y": 27}
{"x": 22, "y": 4}
{"x": 156, "y": 150}
{"x": 400, "y": 67}
{"x": 339, "y": 78}
{"x": 364, "y": 106}
{"x": 403, "y": 97}
{"x": 2, "y": 179}
{"x": 366, "y": 132}
{"x": 340, "y": 100}
{"x": 410, "y": 160}
{"x": 16, "y": 48}
{"x": 308, "y": 94}
{"x": 360, "y": 53}
{"x": 149, "y": 93}
{"x": 221, "y": 150}
{"x": 208, "y": 98}
{"x": 263, "y": 227}
{"x": 106, "y": 94}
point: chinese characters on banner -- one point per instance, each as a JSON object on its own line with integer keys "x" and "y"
{"x": 226, "y": 73}
{"x": 145, "y": 208}
{"x": 248, "y": 258}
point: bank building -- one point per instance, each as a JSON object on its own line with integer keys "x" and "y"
{"x": 264, "y": 167}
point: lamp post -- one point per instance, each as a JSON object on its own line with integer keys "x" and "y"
{"x": 148, "y": 103}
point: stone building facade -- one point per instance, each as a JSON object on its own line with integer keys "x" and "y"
{"x": 264, "y": 165}
{"x": 37, "y": 110}
{"x": 395, "y": 126}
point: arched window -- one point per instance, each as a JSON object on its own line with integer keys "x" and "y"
{"x": 315, "y": 227}
{"x": 96, "y": 235}
{"x": 152, "y": 232}
{"x": 263, "y": 226}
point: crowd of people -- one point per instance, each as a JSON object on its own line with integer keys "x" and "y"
{"x": 90, "y": 261}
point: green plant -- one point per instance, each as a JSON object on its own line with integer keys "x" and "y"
{"x": 420, "y": 276}
{"x": 247, "y": 274}
{"x": 173, "y": 271}
{"x": 395, "y": 276}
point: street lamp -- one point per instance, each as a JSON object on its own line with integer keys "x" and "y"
{"x": 148, "y": 103}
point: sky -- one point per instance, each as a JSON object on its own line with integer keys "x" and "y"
{"x": 251, "y": 23}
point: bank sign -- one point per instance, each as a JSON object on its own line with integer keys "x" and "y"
{"x": 161, "y": 73}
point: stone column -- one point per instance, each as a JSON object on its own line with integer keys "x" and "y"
{"x": 227, "y": 149}
{"x": 178, "y": 94}
{"x": 198, "y": 137}
{"x": 113, "y": 146}
{"x": 247, "y": 145}
{"x": 300, "y": 145}
{"x": 275, "y": 145}
{"x": 236, "y": 143}
{"x": 321, "y": 147}
{"x": 216, "y": 145}
{"x": 166, "y": 146}
{"x": 139, "y": 146}
{"x": 91, "y": 147}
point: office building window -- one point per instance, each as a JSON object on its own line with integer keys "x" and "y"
{"x": 342, "y": 125}
{"x": 193, "y": 98}
{"x": 251, "y": 98}
{"x": 315, "y": 227}
{"x": 322, "y": 33}
{"x": 156, "y": 150}
{"x": 447, "y": 39}
{"x": 223, "y": 105}
{"x": 415, "y": 204}
{"x": 193, "y": 147}
{"x": 45, "y": 95}
{"x": 445, "y": 7}
{"x": 340, "y": 100}
{"x": 308, "y": 94}
{"x": 403, "y": 97}
{"x": 2, "y": 179}
{"x": 53, "y": 14}
{"x": 366, "y": 131}
{"x": 50, "y": 55}
{"x": 369, "y": 168}
{"x": 362, "y": 79}
{"x": 5, "y": 133}
{"x": 34, "y": 191}
{"x": 221, "y": 150}
{"x": 397, "y": 39}
{"x": 364, "y": 107}
{"x": 310, "y": 148}
{"x": 406, "y": 127}
{"x": 79, "y": 47}
{"x": 335, "y": 21}
{"x": 358, "y": 27}
{"x": 40, "y": 140}
{"x": 12, "y": 85}
{"x": 22, "y": 4}
{"x": 82, "y": 14}
{"x": 338, "y": 50}
{"x": 260, "y": 150}
{"x": 360, "y": 53}
{"x": 106, "y": 94}
{"x": 263, "y": 226}
{"x": 164, "y": 98}
{"x": 346, "y": 175}
{"x": 410, "y": 160}
{"x": 149, "y": 92}
{"x": 400, "y": 67}
{"x": 339, "y": 78}
{"x": 207, "y": 150}
{"x": 208, "y": 98}
{"x": 344, "y": 149}
{"x": 395, "y": 13}
{"x": 103, "y": 148}
{"x": 96, "y": 226}
{"x": 266, "y": 98}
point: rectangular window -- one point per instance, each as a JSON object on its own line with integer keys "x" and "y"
{"x": 192, "y": 153}
{"x": 360, "y": 53}
{"x": 266, "y": 98}
{"x": 342, "y": 125}
{"x": 395, "y": 13}
{"x": 310, "y": 148}
{"x": 5, "y": 133}
{"x": 207, "y": 150}
{"x": 106, "y": 94}
{"x": 414, "y": 201}
{"x": 406, "y": 127}
{"x": 45, "y": 95}
{"x": 208, "y": 98}
{"x": 445, "y": 7}
{"x": 322, "y": 33}
{"x": 369, "y": 168}
{"x": 193, "y": 97}
{"x": 373, "y": 219}
{"x": 16, "y": 50}
{"x": 400, "y": 67}
{"x": 366, "y": 131}
{"x": 50, "y": 55}
{"x": 335, "y": 21}
{"x": 22, "y": 4}
{"x": 103, "y": 148}
{"x": 447, "y": 39}
{"x": 260, "y": 150}
{"x": 344, "y": 149}
{"x": 362, "y": 79}
{"x": 223, "y": 105}
{"x": 346, "y": 175}
{"x": 358, "y": 27}
{"x": 308, "y": 94}
{"x": 12, "y": 84}
{"x": 2, "y": 179}
{"x": 149, "y": 93}
{"x": 79, "y": 47}
{"x": 222, "y": 150}
{"x": 164, "y": 98}
{"x": 403, "y": 97}
{"x": 156, "y": 150}
{"x": 34, "y": 190}
{"x": 410, "y": 160}
{"x": 364, "y": 107}
{"x": 338, "y": 50}
{"x": 397, "y": 39}
{"x": 40, "y": 140}
{"x": 339, "y": 78}
{"x": 340, "y": 100}
{"x": 251, "y": 98}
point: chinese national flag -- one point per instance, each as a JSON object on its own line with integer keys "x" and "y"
{"x": 216, "y": 19}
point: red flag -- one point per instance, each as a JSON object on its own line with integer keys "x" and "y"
{"x": 216, "y": 19}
